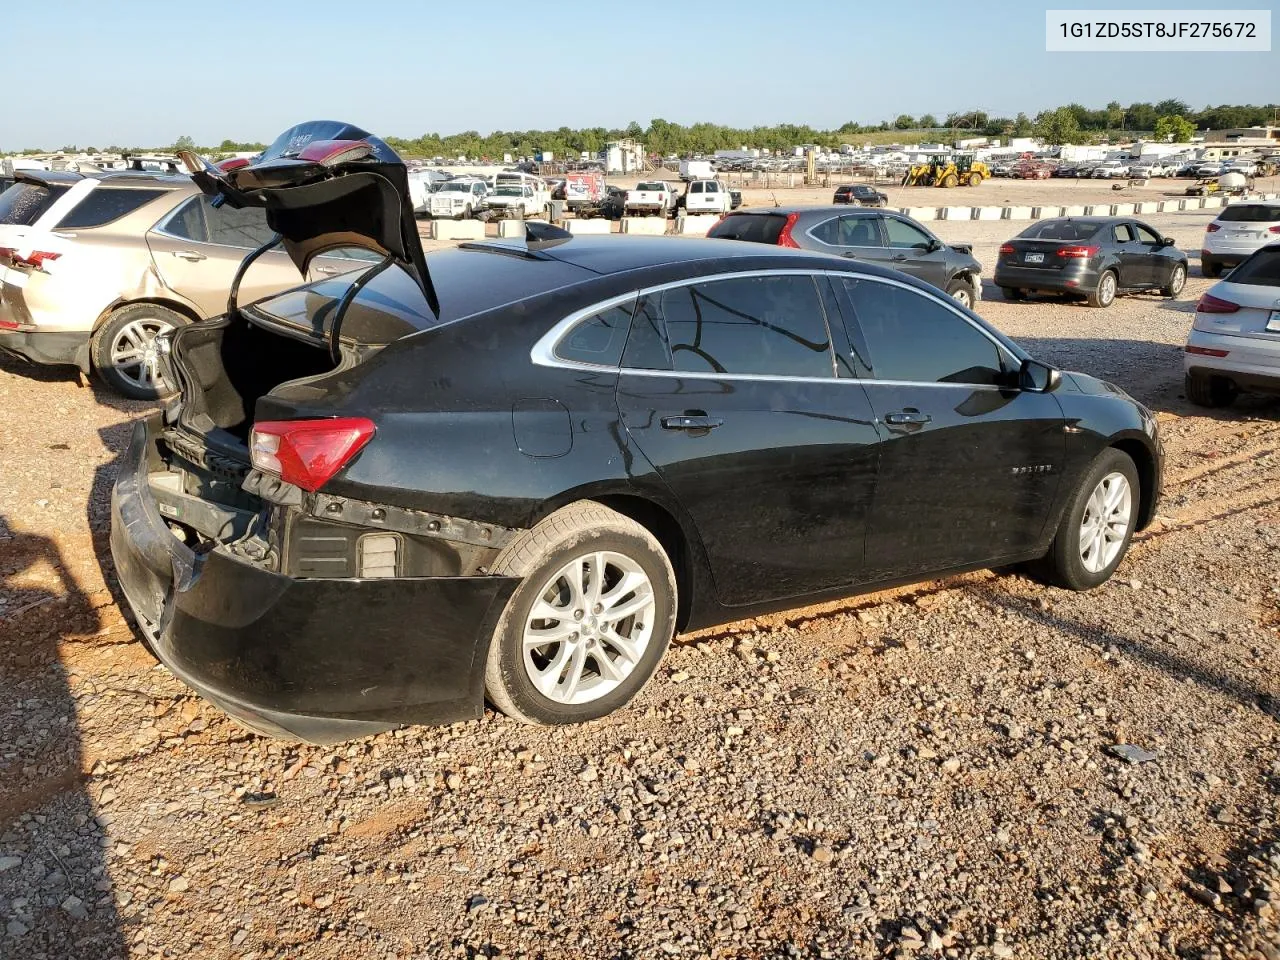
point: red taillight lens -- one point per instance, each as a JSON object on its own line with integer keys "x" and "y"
{"x": 1205, "y": 351}
{"x": 1211, "y": 304}
{"x": 307, "y": 453}
{"x": 1078, "y": 252}
{"x": 1213, "y": 228}
{"x": 330, "y": 153}
{"x": 232, "y": 163}
{"x": 784, "y": 235}
{"x": 36, "y": 259}
{"x": 1006, "y": 248}
{"x": 1273, "y": 229}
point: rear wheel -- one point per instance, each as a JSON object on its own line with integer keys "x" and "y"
{"x": 1096, "y": 527}
{"x": 975, "y": 179}
{"x": 125, "y": 353}
{"x": 1013, "y": 293}
{"x": 961, "y": 290}
{"x": 589, "y": 622}
{"x": 1211, "y": 269}
{"x": 1206, "y": 390}
{"x": 1105, "y": 293}
{"x": 1177, "y": 280}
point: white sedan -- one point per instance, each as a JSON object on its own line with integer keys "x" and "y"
{"x": 1234, "y": 343}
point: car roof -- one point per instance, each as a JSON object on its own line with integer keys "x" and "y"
{"x": 117, "y": 178}
{"x": 842, "y": 209}
{"x": 620, "y": 254}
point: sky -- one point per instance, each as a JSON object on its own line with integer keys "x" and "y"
{"x": 144, "y": 73}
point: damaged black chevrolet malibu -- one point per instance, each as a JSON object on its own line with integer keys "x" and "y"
{"x": 512, "y": 472}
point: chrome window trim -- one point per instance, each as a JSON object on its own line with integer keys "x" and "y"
{"x": 844, "y": 246}
{"x": 543, "y": 352}
{"x": 164, "y": 222}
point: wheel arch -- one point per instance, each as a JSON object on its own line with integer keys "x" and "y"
{"x": 177, "y": 306}
{"x": 1148, "y": 480}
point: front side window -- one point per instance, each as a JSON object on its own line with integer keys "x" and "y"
{"x": 599, "y": 339}
{"x": 1146, "y": 234}
{"x": 903, "y": 235}
{"x": 914, "y": 338}
{"x": 763, "y": 326}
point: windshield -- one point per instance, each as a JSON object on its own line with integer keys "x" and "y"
{"x": 455, "y": 188}
{"x": 1073, "y": 231}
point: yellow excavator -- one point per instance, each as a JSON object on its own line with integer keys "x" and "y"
{"x": 940, "y": 172}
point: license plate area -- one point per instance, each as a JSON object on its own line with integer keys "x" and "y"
{"x": 1034, "y": 258}
{"x": 1273, "y": 322}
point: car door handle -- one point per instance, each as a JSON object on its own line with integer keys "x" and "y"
{"x": 908, "y": 417}
{"x": 327, "y": 270}
{"x": 194, "y": 256}
{"x": 688, "y": 422}
{"x": 851, "y": 256}
{"x": 901, "y": 256}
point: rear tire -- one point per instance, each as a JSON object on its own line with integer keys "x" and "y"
{"x": 565, "y": 548}
{"x": 975, "y": 179}
{"x": 1206, "y": 390}
{"x": 1094, "y": 535}
{"x": 1013, "y": 293}
{"x": 1104, "y": 295}
{"x": 1211, "y": 269}
{"x": 123, "y": 352}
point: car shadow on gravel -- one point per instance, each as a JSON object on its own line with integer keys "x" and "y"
{"x": 56, "y": 896}
{"x": 42, "y": 373}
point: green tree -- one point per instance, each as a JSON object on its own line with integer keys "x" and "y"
{"x": 1175, "y": 128}
{"x": 904, "y": 122}
{"x": 928, "y": 121}
{"x": 1115, "y": 115}
{"x": 1172, "y": 108}
{"x": 1022, "y": 125}
{"x": 184, "y": 143}
{"x": 1057, "y": 127}
{"x": 1140, "y": 116}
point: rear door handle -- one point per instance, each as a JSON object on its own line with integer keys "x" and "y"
{"x": 687, "y": 422}
{"x": 908, "y": 416}
{"x": 901, "y": 256}
{"x": 327, "y": 270}
{"x": 194, "y": 256}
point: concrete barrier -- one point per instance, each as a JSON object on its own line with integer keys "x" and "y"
{"x": 956, "y": 213}
{"x": 695, "y": 226}
{"x": 1042, "y": 213}
{"x": 584, "y": 227}
{"x": 457, "y": 230}
{"x": 647, "y": 226}
{"x": 989, "y": 213}
{"x": 1017, "y": 213}
{"x": 1074, "y": 211}
{"x": 1147, "y": 207}
{"x": 921, "y": 213}
{"x": 511, "y": 228}
{"x": 1122, "y": 209}
{"x": 1211, "y": 203}
{"x": 1096, "y": 211}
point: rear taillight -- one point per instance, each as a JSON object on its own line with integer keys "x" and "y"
{"x": 1007, "y": 248}
{"x": 232, "y": 163}
{"x": 1213, "y": 228}
{"x": 36, "y": 259}
{"x": 307, "y": 453}
{"x": 784, "y": 235}
{"x": 330, "y": 153}
{"x": 1211, "y": 304}
{"x": 1077, "y": 252}
{"x": 1205, "y": 351}
{"x": 1275, "y": 229}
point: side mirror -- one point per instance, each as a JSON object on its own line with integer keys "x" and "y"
{"x": 1037, "y": 377}
{"x": 932, "y": 246}
{"x": 1167, "y": 241}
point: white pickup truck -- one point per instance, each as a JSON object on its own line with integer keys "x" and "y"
{"x": 459, "y": 199}
{"x": 650, "y": 198}
{"x": 707, "y": 196}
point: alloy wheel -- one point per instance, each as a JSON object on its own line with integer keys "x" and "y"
{"x": 136, "y": 356}
{"x": 1107, "y": 288}
{"x": 1106, "y": 522}
{"x": 589, "y": 627}
{"x": 964, "y": 296}
{"x": 1178, "y": 280}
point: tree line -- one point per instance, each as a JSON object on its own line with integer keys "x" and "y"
{"x": 1073, "y": 123}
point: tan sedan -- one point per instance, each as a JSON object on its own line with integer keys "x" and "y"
{"x": 94, "y": 267}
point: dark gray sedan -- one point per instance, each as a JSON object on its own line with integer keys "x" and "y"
{"x": 881, "y": 237}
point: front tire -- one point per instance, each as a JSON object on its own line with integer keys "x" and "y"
{"x": 124, "y": 352}
{"x": 1105, "y": 293}
{"x": 1177, "y": 280}
{"x": 1097, "y": 527}
{"x": 961, "y": 290}
{"x": 585, "y": 629}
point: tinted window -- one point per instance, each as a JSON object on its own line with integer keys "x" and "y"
{"x": 246, "y": 227}
{"x": 1145, "y": 234}
{"x": 187, "y": 222}
{"x": 1073, "y": 231}
{"x": 749, "y": 325}
{"x": 107, "y": 204}
{"x": 23, "y": 203}
{"x": 904, "y": 235}
{"x": 859, "y": 232}
{"x": 827, "y": 232}
{"x": 1122, "y": 233}
{"x": 912, "y": 337}
{"x": 598, "y": 339}
{"x": 752, "y": 227}
{"x": 1250, "y": 213}
{"x": 1262, "y": 269}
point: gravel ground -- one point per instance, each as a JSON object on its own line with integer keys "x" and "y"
{"x": 925, "y": 772}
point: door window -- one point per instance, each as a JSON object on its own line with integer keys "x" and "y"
{"x": 246, "y": 227}
{"x": 1146, "y": 234}
{"x": 598, "y": 339}
{"x": 763, "y": 326}
{"x": 187, "y": 222}
{"x": 859, "y": 232}
{"x": 1122, "y": 233}
{"x": 904, "y": 235}
{"x": 914, "y": 338}
{"x": 827, "y": 232}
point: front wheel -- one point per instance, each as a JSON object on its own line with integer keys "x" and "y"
{"x": 1105, "y": 293}
{"x": 1097, "y": 526}
{"x": 589, "y": 622}
{"x": 1177, "y": 280}
{"x": 125, "y": 353}
{"x": 961, "y": 290}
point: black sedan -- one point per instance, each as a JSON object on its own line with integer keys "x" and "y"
{"x": 1096, "y": 258}
{"x": 885, "y": 238}
{"x": 860, "y": 194}
{"x": 515, "y": 470}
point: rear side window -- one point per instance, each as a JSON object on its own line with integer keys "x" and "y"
{"x": 23, "y": 203}
{"x": 1261, "y": 270}
{"x": 752, "y": 227}
{"x": 187, "y": 222}
{"x": 764, "y": 326}
{"x": 912, "y": 337}
{"x": 106, "y": 204}
{"x": 1250, "y": 213}
{"x": 599, "y": 339}
{"x": 1068, "y": 230}
{"x": 246, "y": 227}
